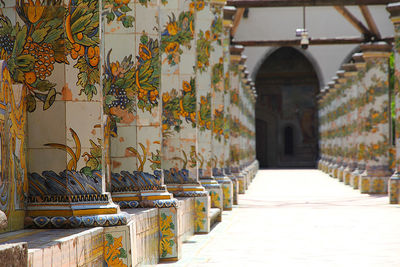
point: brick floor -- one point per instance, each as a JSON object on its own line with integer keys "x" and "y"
{"x": 300, "y": 218}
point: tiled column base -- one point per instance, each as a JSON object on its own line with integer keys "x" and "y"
{"x": 235, "y": 186}
{"x": 334, "y": 172}
{"x": 373, "y": 185}
{"x": 394, "y": 189}
{"x": 242, "y": 183}
{"x": 187, "y": 217}
{"x": 346, "y": 177}
{"x": 202, "y": 220}
{"x": 215, "y": 191}
{"x": 246, "y": 175}
{"x": 355, "y": 179}
{"x": 340, "y": 174}
{"x": 227, "y": 191}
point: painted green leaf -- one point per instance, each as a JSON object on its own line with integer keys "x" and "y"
{"x": 110, "y": 17}
{"x": 53, "y": 35}
{"x": 125, "y": 9}
{"x": 39, "y": 34}
{"x": 25, "y": 62}
{"x": 128, "y": 21}
{"x": 31, "y": 103}
{"x": 20, "y": 40}
{"x": 51, "y": 97}
{"x": 44, "y": 85}
{"x": 80, "y": 23}
{"x": 18, "y": 76}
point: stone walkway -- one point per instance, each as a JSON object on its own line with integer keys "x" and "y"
{"x": 300, "y": 218}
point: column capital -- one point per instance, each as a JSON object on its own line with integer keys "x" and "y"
{"x": 341, "y": 77}
{"x": 350, "y": 69}
{"x": 229, "y": 13}
{"x": 394, "y": 10}
{"x": 359, "y": 61}
{"x": 378, "y": 49}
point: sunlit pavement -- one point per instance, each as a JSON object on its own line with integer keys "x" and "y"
{"x": 300, "y": 218}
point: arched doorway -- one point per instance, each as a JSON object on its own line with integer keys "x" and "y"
{"x": 286, "y": 110}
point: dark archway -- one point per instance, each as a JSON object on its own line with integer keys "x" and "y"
{"x": 286, "y": 110}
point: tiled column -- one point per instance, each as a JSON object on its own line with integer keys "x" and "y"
{"x": 332, "y": 126}
{"x": 375, "y": 177}
{"x": 340, "y": 123}
{"x": 352, "y": 120}
{"x": 58, "y": 45}
{"x": 394, "y": 183}
{"x": 131, "y": 89}
{"x": 230, "y": 196}
{"x": 321, "y": 128}
{"x": 178, "y": 89}
{"x": 362, "y": 100}
{"x": 205, "y": 45}
{"x": 242, "y": 175}
{"x": 234, "y": 117}
{"x": 219, "y": 66}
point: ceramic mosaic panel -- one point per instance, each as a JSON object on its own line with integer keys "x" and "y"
{"x": 14, "y": 184}
{"x": 118, "y": 243}
{"x": 377, "y": 113}
{"x": 202, "y": 213}
{"x": 170, "y": 243}
{"x": 204, "y": 46}
{"x": 178, "y": 50}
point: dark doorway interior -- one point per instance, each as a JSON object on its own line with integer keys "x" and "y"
{"x": 286, "y": 111}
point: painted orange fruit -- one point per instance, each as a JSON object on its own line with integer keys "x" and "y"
{"x": 30, "y": 77}
{"x": 91, "y": 52}
{"x": 94, "y": 61}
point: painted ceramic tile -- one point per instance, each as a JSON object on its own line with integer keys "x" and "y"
{"x": 168, "y": 233}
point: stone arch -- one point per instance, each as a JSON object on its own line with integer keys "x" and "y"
{"x": 304, "y": 52}
{"x": 287, "y": 85}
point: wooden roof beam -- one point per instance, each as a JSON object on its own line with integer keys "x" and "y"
{"x": 353, "y": 20}
{"x": 319, "y": 41}
{"x": 294, "y": 3}
{"x": 370, "y": 21}
{"x": 236, "y": 20}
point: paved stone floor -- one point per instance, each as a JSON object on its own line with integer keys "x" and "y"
{"x": 300, "y": 218}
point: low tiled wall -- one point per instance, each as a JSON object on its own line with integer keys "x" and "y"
{"x": 187, "y": 215}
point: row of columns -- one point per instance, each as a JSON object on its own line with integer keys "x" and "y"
{"x": 139, "y": 102}
{"x": 359, "y": 119}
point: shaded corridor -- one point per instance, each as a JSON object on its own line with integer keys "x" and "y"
{"x": 300, "y": 218}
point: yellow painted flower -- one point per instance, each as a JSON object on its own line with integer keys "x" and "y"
{"x": 215, "y": 199}
{"x": 203, "y": 100}
{"x": 33, "y": 10}
{"x": 378, "y": 186}
{"x": 144, "y": 52}
{"x": 200, "y": 215}
{"x": 186, "y": 86}
{"x": 208, "y": 35}
{"x": 166, "y": 97}
{"x": 193, "y": 116}
{"x": 166, "y": 235}
{"x": 200, "y": 5}
{"x": 365, "y": 185}
{"x": 171, "y": 48}
{"x": 172, "y": 28}
{"x": 227, "y": 198}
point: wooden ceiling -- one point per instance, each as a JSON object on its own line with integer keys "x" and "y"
{"x": 294, "y": 3}
{"x": 369, "y": 32}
